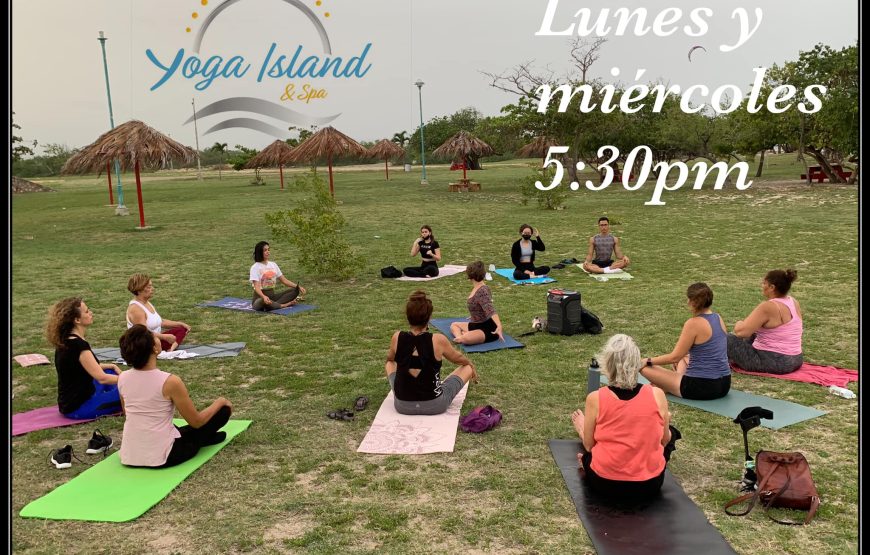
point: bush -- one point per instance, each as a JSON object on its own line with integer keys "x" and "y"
{"x": 315, "y": 228}
{"x": 554, "y": 199}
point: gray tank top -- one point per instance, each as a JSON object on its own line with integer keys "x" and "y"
{"x": 604, "y": 246}
{"x": 710, "y": 358}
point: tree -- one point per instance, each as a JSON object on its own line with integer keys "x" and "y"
{"x": 19, "y": 151}
{"x": 242, "y": 158}
{"x": 221, "y": 149}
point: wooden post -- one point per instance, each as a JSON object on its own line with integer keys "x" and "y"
{"x": 139, "y": 196}
{"x": 109, "y": 176}
{"x": 331, "y": 187}
{"x": 387, "y": 168}
{"x": 281, "y": 171}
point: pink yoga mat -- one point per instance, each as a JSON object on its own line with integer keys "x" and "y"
{"x": 812, "y": 373}
{"x": 394, "y": 433}
{"x": 41, "y": 419}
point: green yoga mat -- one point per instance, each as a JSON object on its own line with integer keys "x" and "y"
{"x": 112, "y": 492}
{"x": 785, "y": 413}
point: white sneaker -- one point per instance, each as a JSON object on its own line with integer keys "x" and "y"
{"x": 488, "y": 276}
{"x": 492, "y": 267}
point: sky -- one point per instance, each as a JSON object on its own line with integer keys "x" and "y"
{"x": 59, "y": 91}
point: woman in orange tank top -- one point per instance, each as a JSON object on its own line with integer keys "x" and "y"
{"x": 625, "y": 431}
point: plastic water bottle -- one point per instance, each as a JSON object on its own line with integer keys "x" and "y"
{"x": 841, "y": 392}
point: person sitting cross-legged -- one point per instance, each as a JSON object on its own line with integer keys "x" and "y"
{"x": 414, "y": 364}
{"x": 602, "y": 248}
{"x": 625, "y": 431}
{"x": 149, "y": 397}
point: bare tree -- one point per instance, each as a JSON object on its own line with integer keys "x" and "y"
{"x": 586, "y": 52}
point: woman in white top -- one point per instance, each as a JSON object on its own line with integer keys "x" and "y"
{"x": 264, "y": 275}
{"x": 141, "y": 311}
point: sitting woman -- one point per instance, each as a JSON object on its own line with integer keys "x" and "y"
{"x": 141, "y": 311}
{"x": 700, "y": 356}
{"x": 414, "y": 364}
{"x": 523, "y": 254}
{"x": 150, "y": 396}
{"x": 264, "y": 274}
{"x": 626, "y": 436}
{"x": 430, "y": 252}
{"x": 86, "y": 388}
{"x": 769, "y": 339}
{"x": 485, "y": 325}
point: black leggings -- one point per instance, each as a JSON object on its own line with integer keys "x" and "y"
{"x": 192, "y": 439}
{"x": 257, "y": 303}
{"x": 425, "y": 269}
{"x": 520, "y": 271}
{"x": 625, "y": 492}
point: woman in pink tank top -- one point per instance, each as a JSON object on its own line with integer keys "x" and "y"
{"x": 625, "y": 432}
{"x": 769, "y": 339}
{"x": 149, "y": 397}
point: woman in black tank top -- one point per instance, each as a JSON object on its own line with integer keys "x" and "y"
{"x": 414, "y": 364}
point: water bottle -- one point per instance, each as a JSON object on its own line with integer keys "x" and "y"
{"x": 841, "y": 392}
{"x": 593, "y": 377}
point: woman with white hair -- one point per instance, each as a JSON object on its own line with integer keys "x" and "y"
{"x": 626, "y": 436}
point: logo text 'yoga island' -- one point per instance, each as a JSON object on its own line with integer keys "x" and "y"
{"x": 300, "y": 65}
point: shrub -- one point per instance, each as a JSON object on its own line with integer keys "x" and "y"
{"x": 315, "y": 228}
{"x": 554, "y": 199}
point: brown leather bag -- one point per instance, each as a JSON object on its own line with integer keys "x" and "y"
{"x": 784, "y": 480}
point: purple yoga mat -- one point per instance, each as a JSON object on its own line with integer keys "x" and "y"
{"x": 42, "y": 419}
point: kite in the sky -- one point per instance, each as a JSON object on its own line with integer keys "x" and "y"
{"x": 695, "y": 48}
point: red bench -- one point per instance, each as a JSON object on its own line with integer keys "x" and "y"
{"x": 817, "y": 175}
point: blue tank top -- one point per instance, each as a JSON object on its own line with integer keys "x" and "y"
{"x": 710, "y": 358}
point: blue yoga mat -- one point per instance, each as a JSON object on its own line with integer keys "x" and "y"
{"x": 785, "y": 413}
{"x": 443, "y": 325}
{"x": 244, "y": 305}
{"x": 508, "y": 273}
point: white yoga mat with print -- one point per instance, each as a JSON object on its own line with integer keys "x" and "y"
{"x": 399, "y": 434}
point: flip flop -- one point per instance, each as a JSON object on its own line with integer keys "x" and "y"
{"x": 340, "y": 414}
{"x": 360, "y": 403}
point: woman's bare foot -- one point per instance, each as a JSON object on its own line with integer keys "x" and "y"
{"x": 577, "y": 418}
{"x": 474, "y": 377}
{"x": 580, "y": 468}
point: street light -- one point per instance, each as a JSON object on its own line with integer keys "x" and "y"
{"x": 420, "y": 84}
{"x": 196, "y": 132}
{"x": 120, "y": 210}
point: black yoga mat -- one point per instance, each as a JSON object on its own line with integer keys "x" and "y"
{"x": 671, "y": 524}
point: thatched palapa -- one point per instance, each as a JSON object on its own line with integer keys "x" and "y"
{"x": 133, "y": 145}
{"x": 274, "y": 155}
{"x": 539, "y": 147}
{"x": 328, "y": 143}
{"x": 466, "y": 146}
{"x": 386, "y": 150}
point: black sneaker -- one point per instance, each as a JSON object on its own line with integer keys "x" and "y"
{"x": 98, "y": 443}
{"x": 62, "y": 458}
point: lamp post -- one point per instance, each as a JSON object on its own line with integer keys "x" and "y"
{"x": 196, "y": 132}
{"x": 420, "y": 84}
{"x": 120, "y": 210}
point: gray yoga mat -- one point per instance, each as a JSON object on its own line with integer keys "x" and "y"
{"x": 785, "y": 413}
{"x": 670, "y": 524}
{"x": 215, "y": 350}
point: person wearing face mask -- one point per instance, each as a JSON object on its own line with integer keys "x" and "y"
{"x": 429, "y": 250}
{"x": 523, "y": 254}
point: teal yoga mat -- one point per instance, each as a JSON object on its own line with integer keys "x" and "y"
{"x": 785, "y": 413}
{"x": 112, "y": 492}
{"x": 508, "y": 273}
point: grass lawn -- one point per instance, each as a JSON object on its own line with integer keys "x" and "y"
{"x": 294, "y": 483}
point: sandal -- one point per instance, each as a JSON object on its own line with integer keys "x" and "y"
{"x": 340, "y": 414}
{"x": 360, "y": 403}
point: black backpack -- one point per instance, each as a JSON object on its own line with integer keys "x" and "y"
{"x": 589, "y": 322}
{"x": 391, "y": 272}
